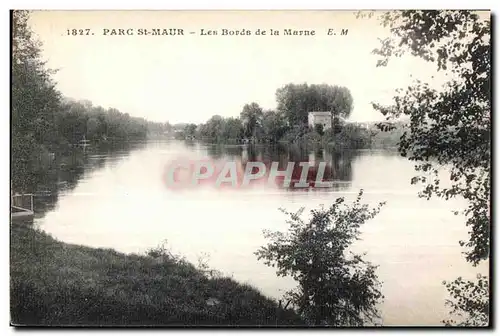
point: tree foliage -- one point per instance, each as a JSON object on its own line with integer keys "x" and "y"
{"x": 34, "y": 101}
{"x": 451, "y": 126}
{"x": 212, "y": 128}
{"x": 42, "y": 121}
{"x": 79, "y": 119}
{"x": 469, "y": 302}
{"x": 335, "y": 286}
{"x": 295, "y": 101}
{"x": 274, "y": 125}
{"x": 232, "y": 128}
{"x": 189, "y": 130}
{"x": 220, "y": 129}
{"x": 353, "y": 136}
{"x": 251, "y": 117}
{"x": 34, "y": 97}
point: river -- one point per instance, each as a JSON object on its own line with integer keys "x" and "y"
{"x": 118, "y": 199}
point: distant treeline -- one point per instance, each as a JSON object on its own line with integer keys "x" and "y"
{"x": 289, "y": 122}
{"x": 43, "y": 122}
{"x": 80, "y": 119}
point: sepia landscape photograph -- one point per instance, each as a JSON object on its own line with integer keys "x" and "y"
{"x": 263, "y": 168}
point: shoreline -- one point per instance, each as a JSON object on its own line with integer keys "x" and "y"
{"x": 55, "y": 283}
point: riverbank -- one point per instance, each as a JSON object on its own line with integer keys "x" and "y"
{"x": 55, "y": 283}
{"x": 348, "y": 137}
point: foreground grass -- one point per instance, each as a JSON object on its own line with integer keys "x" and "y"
{"x": 54, "y": 283}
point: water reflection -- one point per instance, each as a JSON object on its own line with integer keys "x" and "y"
{"x": 60, "y": 172}
{"x": 337, "y": 170}
{"x": 120, "y": 194}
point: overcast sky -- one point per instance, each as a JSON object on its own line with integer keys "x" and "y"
{"x": 190, "y": 78}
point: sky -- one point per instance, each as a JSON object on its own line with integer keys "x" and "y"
{"x": 190, "y": 78}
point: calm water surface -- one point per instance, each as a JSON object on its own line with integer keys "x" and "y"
{"x": 117, "y": 199}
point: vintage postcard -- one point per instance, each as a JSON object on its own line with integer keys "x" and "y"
{"x": 250, "y": 168}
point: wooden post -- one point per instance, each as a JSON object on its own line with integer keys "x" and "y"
{"x": 278, "y": 312}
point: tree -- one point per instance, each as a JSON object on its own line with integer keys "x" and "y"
{"x": 295, "y": 101}
{"x": 190, "y": 130}
{"x": 352, "y": 136}
{"x": 42, "y": 121}
{"x": 251, "y": 117}
{"x": 34, "y": 97}
{"x": 449, "y": 127}
{"x": 274, "y": 125}
{"x": 335, "y": 287}
{"x": 232, "y": 129}
{"x": 470, "y": 301}
{"x": 92, "y": 128}
{"x": 212, "y": 129}
{"x": 34, "y": 102}
{"x": 72, "y": 122}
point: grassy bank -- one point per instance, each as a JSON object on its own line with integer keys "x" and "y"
{"x": 54, "y": 283}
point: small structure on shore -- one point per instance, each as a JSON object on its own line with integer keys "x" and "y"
{"x": 21, "y": 209}
{"x": 84, "y": 142}
{"x": 320, "y": 118}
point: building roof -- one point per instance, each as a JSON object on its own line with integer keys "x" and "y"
{"x": 318, "y": 113}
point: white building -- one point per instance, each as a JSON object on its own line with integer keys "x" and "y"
{"x": 323, "y": 118}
